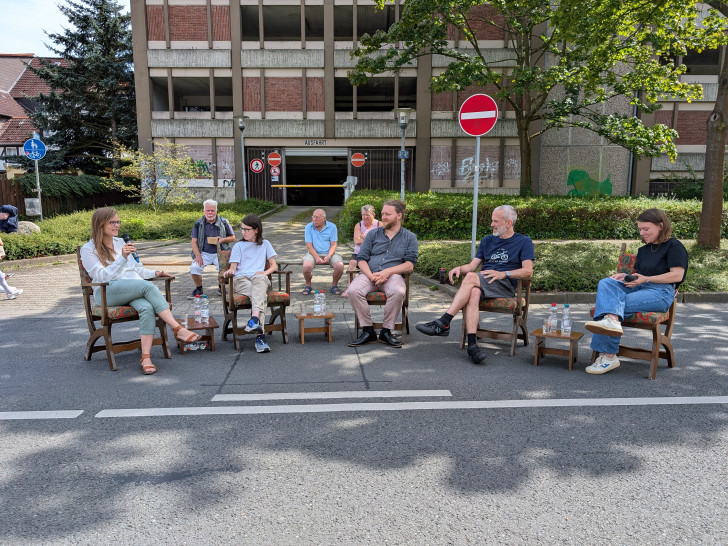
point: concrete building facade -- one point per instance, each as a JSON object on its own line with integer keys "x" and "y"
{"x": 283, "y": 64}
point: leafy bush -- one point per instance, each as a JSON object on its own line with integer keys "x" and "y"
{"x": 61, "y": 234}
{"x": 62, "y": 185}
{"x": 578, "y": 267}
{"x": 449, "y": 216}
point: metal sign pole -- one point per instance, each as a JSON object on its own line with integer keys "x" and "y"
{"x": 475, "y": 196}
{"x": 37, "y": 189}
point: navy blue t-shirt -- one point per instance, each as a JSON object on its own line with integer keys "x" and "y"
{"x": 505, "y": 254}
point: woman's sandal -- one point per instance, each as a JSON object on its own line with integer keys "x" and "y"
{"x": 150, "y": 368}
{"x": 190, "y": 339}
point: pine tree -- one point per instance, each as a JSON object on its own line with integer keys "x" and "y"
{"x": 92, "y": 106}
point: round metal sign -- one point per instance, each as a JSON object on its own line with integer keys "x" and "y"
{"x": 478, "y": 115}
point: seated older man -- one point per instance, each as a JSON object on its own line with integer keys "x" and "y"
{"x": 321, "y": 238}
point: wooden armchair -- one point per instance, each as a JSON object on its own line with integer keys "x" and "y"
{"x": 652, "y": 321}
{"x": 278, "y": 300}
{"x": 380, "y": 298}
{"x": 517, "y": 307}
{"x": 107, "y": 316}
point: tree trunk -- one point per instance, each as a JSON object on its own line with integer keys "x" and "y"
{"x": 525, "y": 146}
{"x": 712, "y": 213}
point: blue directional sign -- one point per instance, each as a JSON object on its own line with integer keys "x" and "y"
{"x": 34, "y": 149}
{"x": 403, "y": 154}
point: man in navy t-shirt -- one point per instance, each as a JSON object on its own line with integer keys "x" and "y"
{"x": 505, "y": 256}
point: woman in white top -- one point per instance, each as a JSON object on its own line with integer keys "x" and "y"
{"x": 107, "y": 258}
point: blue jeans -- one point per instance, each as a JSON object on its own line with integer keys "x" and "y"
{"x": 143, "y": 296}
{"x": 617, "y": 299}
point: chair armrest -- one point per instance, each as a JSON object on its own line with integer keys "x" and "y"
{"x": 287, "y": 275}
{"x": 167, "y": 286}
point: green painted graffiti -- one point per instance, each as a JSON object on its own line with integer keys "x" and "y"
{"x": 584, "y": 185}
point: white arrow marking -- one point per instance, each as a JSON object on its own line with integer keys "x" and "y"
{"x": 478, "y": 115}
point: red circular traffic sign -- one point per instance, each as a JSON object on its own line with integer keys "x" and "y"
{"x": 357, "y": 160}
{"x": 274, "y": 159}
{"x": 478, "y": 115}
{"x": 257, "y": 165}
{"x": 275, "y": 171}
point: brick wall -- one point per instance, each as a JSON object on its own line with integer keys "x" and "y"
{"x": 221, "y": 23}
{"x": 188, "y": 23}
{"x": 441, "y": 102}
{"x": 489, "y": 89}
{"x": 664, "y": 117}
{"x": 251, "y": 94}
{"x": 283, "y": 95}
{"x": 315, "y": 95}
{"x": 691, "y": 125}
{"x": 479, "y": 16}
{"x": 155, "y": 23}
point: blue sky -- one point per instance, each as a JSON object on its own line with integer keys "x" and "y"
{"x": 25, "y": 20}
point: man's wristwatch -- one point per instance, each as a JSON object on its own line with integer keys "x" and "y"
{"x": 508, "y": 274}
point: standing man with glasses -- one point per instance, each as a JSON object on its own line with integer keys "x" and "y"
{"x": 321, "y": 239}
{"x": 208, "y": 234}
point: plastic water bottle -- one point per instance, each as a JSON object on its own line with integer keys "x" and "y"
{"x": 566, "y": 321}
{"x": 323, "y": 302}
{"x": 205, "y": 311}
{"x": 197, "y": 309}
{"x": 553, "y": 318}
{"x": 317, "y": 303}
{"x": 443, "y": 276}
{"x": 191, "y": 347}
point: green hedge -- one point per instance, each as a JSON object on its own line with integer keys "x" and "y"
{"x": 61, "y": 234}
{"x": 63, "y": 185}
{"x": 578, "y": 267}
{"x": 449, "y": 216}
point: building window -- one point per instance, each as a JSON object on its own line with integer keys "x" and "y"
{"x": 707, "y": 62}
{"x": 314, "y": 23}
{"x": 407, "y": 92}
{"x": 282, "y": 23}
{"x": 369, "y": 19}
{"x": 191, "y": 94}
{"x": 344, "y": 95}
{"x": 223, "y": 94}
{"x": 343, "y": 23}
{"x": 160, "y": 95}
{"x": 250, "y": 30}
{"x": 377, "y": 95}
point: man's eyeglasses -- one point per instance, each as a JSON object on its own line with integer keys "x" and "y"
{"x": 115, "y": 222}
{"x": 246, "y": 228}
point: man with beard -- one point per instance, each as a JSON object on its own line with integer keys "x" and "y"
{"x": 505, "y": 256}
{"x": 387, "y": 252}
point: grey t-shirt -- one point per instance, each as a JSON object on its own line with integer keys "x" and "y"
{"x": 381, "y": 252}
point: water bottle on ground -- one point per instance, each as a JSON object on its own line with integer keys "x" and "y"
{"x": 205, "y": 311}
{"x": 197, "y": 309}
{"x": 317, "y": 303}
{"x": 566, "y": 321}
{"x": 191, "y": 346}
{"x": 553, "y": 318}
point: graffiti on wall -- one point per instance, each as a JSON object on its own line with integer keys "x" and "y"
{"x": 584, "y": 185}
{"x": 440, "y": 168}
{"x": 488, "y": 169}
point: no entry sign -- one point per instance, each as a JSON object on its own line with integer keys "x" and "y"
{"x": 478, "y": 115}
{"x": 357, "y": 160}
{"x": 257, "y": 165}
{"x": 274, "y": 159}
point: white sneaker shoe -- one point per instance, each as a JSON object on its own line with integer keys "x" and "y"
{"x": 605, "y": 327}
{"x": 603, "y": 365}
{"x": 14, "y": 292}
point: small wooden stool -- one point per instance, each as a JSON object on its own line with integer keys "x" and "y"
{"x": 541, "y": 349}
{"x": 208, "y": 335}
{"x": 303, "y": 329}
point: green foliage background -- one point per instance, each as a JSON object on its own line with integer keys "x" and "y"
{"x": 62, "y": 185}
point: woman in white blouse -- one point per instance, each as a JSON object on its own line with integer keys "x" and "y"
{"x": 108, "y": 259}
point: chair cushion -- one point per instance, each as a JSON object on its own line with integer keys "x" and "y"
{"x": 500, "y": 303}
{"x": 116, "y": 312}
{"x": 650, "y": 317}
{"x": 376, "y": 297}
{"x": 626, "y": 263}
{"x": 273, "y": 297}
{"x": 85, "y": 277}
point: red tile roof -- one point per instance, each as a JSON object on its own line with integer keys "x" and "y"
{"x": 30, "y": 85}
{"x": 9, "y": 107}
{"x": 16, "y": 131}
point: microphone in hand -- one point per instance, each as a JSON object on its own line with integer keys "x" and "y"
{"x": 126, "y": 240}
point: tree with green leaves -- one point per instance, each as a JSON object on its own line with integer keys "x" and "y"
{"x": 91, "y": 105}
{"x": 568, "y": 63}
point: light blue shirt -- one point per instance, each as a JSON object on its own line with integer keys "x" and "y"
{"x": 251, "y": 257}
{"x": 322, "y": 239}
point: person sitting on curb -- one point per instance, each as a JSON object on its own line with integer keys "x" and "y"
{"x": 321, "y": 238}
{"x": 386, "y": 253}
{"x": 661, "y": 266}
{"x": 8, "y": 219}
{"x": 505, "y": 256}
{"x": 208, "y": 234}
{"x": 247, "y": 263}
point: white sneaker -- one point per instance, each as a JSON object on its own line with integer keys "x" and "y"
{"x": 605, "y": 327}
{"x": 14, "y": 292}
{"x": 603, "y": 365}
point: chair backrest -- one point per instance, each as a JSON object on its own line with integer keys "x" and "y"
{"x": 85, "y": 277}
{"x": 626, "y": 261}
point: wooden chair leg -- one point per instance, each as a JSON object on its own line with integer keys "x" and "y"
{"x": 165, "y": 338}
{"x": 109, "y": 347}
{"x": 655, "y": 354}
{"x": 514, "y": 336}
{"x": 236, "y": 342}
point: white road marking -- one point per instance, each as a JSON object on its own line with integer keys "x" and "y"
{"x": 326, "y": 395}
{"x": 411, "y": 406}
{"x": 60, "y": 414}
{"x": 478, "y": 115}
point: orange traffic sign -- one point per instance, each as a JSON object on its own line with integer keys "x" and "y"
{"x": 357, "y": 159}
{"x": 274, "y": 159}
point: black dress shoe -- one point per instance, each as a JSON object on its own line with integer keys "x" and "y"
{"x": 364, "y": 339}
{"x": 386, "y": 337}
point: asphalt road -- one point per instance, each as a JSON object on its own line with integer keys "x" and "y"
{"x": 441, "y": 451}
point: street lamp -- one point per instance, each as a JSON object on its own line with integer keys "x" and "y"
{"x": 402, "y": 116}
{"x": 241, "y": 125}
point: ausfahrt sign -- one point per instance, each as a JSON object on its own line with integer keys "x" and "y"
{"x": 357, "y": 159}
{"x": 274, "y": 159}
{"x": 478, "y": 115}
